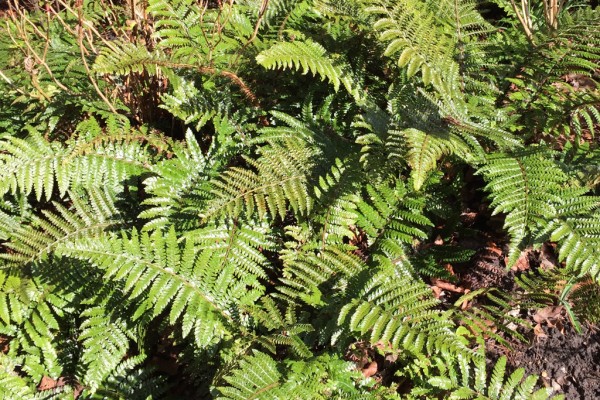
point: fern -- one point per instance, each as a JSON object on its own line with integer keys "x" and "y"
{"x": 11, "y": 384}
{"x": 266, "y": 191}
{"x": 174, "y": 204}
{"x": 259, "y": 376}
{"x": 308, "y": 55}
{"x": 496, "y": 386}
{"x": 426, "y": 149}
{"x": 35, "y": 165}
{"x": 526, "y": 187}
{"x": 399, "y": 313}
{"x": 34, "y": 241}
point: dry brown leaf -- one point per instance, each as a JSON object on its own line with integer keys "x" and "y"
{"x": 548, "y": 314}
{"x": 370, "y": 369}
{"x": 48, "y": 383}
{"x": 539, "y": 332}
{"x": 445, "y": 285}
{"x": 4, "y": 344}
{"x": 437, "y": 292}
{"x": 547, "y": 257}
{"x": 493, "y": 247}
{"x": 522, "y": 263}
{"x": 448, "y": 267}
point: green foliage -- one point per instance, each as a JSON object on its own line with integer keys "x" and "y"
{"x": 496, "y": 386}
{"x": 183, "y": 218}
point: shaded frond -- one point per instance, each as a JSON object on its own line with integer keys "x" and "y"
{"x": 311, "y": 57}
{"x": 277, "y": 179}
{"x": 527, "y": 187}
{"x": 91, "y": 214}
{"x": 425, "y": 149}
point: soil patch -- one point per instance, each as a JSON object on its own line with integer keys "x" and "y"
{"x": 568, "y": 362}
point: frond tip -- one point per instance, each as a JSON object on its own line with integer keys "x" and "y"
{"x": 308, "y": 55}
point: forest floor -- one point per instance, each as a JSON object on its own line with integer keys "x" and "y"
{"x": 565, "y": 360}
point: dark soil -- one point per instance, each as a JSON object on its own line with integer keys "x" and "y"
{"x": 569, "y": 362}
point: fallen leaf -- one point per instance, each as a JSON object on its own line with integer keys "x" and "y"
{"x": 370, "y": 369}
{"x": 445, "y": 285}
{"x": 547, "y": 257}
{"x": 548, "y": 314}
{"x": 493, "y": 247}
{"x": 539, "y": 332}
{"x": 48, "y": 383}
{"x": 437, "y": 292}
{"x": 522, "y": 263}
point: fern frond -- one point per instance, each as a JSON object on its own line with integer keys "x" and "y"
{"x": 526, "y": 187}
{"x": 578, "y": 238}
{"x": 387, "y": 219}
{"x": 478, "y": 385}
{"x": 131, "y": 380}
{"x": 28, "y": 314}
{"x": 425, "y": 149}
{"x": 410, "y": 29}
{"x": 324, "y": 377}
{"x": 305, "y": 269}
{"x": 257, "y": 374}
{"x": 105, "y": 343}
{"x": 179, "y": 188}
{"x": 12, "y": 385}
{"x": 311, "y": 57}
{"x": 269, "y": 190}
{"x": 201, "y": 290}
{"x": 399, "y": 313}
{"x": 122, "y": 58}
{"x": 35, "y": 165}
{"x": 91, "y": 214}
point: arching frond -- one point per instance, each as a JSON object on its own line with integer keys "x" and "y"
{"x": 527, "y": 187}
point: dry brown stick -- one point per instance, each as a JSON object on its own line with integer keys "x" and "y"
{"x": 38, "y": 59}
{"x": 524, "y": 24}
{"x": 89, "y": 73}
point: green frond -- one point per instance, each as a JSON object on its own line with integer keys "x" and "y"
{"x": 307, "y": 268}
{"x": 311, "y": 57}
{"x": 27, "y": 313}
{"x": 200, "y": 287}
{"x": 425, "y": 149}
{"x": 178, "y": 29}
{"x": 105, "y": 343}
{"x": 578, "y": 238}
{"x": 400, "y": 313}
{"x": 418, "y": 35}
{"x": 257, "y": 374}
{"x": 36, "y": 165}
{"x": 387, "y": 218}
{"x": 284, "y": 329}
{"x": 527, "y": 187}
{"x": 130, "y": 380}
{"x": 586, "y": 301}
{"x": 263, "y": 189}
{"x": 91, "y": 214}
{"x": 12, "y": 385}
{"x": 500, "y": 386}
{"x": 179, "y": 187}
{"x": 237, "y": 245}
{"x": 122, "y": 58}
{"x": 319, "y": 378}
